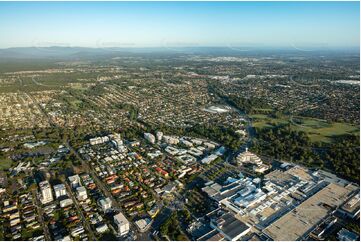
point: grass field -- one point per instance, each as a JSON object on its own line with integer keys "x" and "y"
{"x": 5, "y": 163}
{"x": 318, "y": 130}
{"x": 264, "y": 121}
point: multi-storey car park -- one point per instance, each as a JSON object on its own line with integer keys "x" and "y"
{"x": 289, "y": 203}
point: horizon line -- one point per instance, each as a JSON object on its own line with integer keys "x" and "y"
{"x": 187, "y": 46}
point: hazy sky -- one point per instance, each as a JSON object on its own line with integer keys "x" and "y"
{"x": 139, "y": 24}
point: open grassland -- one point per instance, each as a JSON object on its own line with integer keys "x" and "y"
{"x": 5, "y": 163}
{"x": 318, "y": 130}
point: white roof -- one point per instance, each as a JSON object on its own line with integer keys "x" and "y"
{"x": 105, "y": 201}
{"x": 81, "y": 189}
{"x": 59, "y": 186}
{"x": 74, "y": 178}
{"x": 120, "y": 219}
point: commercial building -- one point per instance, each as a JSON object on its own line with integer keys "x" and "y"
{"x": 345, "y": 235}
{"x": 46, "y": 194}
{"x": 352, "y": 207}
{"x": 66, "y": 202}
{"x": 81, "y": 193}
{"x": 59, "y": 190}
{"x": 209, "y": 159}
{"x": 101, "y": 228}
{"x": 159, "y": 135}
{"x": 170, "y": 140}
{"x": 226, "y": 224}
{"x": 297, "y": 223}
{"x": 74, "y": 181}
{"x": 150, "y": 137}
{"x": 105, "y": 204}
{"x": 98, "y": 140}
{"x": 122, "y": 224}
{"x": 261, "y": 168}
{"x": 248, "y": 157}
{"x": 143, "y": 224}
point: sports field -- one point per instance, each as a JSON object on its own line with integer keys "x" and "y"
{"x": 318, "y": 130}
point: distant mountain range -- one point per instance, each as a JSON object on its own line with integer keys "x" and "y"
{"x": 52, "y": 52}
{"x": 57, "y": 52}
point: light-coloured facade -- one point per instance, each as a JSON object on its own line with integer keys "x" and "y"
{"x": 59, "y": 190}
{"x": 46, "y": 194}
{"x": 122, "y": 224}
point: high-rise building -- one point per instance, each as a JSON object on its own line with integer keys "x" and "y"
{"x": 105, "y": 204}
{"x": 149, "y": 137}
{"x": 81, "y": 193}
{"x": 74, "y": 181}
{"x": 122, "y": 223}
{"x": 46, "y": 194}
{"x": 159, "y": 135}
{"x": 59, "y": 190}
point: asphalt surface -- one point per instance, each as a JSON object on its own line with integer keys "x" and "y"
{"x": 80, "y": 212}
{"x": 102, "y": 187}
{"x": 40, "y": 215}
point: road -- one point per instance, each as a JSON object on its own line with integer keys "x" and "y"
{"x": 249, "y": 129}
{"x": 80, "y": 212}
{"x": 99, "y": 183}
{"x": 102, "y": 187}
{"x": 41, "y": 215}
{"x": 40, "y": 84}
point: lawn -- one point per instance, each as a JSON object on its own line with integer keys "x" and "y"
{"x": 318, "y": 130}
{"x": 264, "y": 121}
{"x": 5, "y": 163}
{"x": 321, "y": 131}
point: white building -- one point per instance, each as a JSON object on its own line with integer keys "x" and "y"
{"x": 122, "y": 223}
{"x": 209, "y": 159}
{"x": 105, "y": 204}
{"x": 149, "y": 137}
{"x": 171, "y": 150}
{"x": 195, "y": 152}
{"x": 74, "y": 181}
{"x": 209, "y": 145}
{"x": 46, "y": 194}
{"x": 81, "y": 193}
{"x": 187, "y": 143}
{"x": 250, "y": 197}
{"x": 59, "y": 190}
{"x": 159, "y": 136}
{"x": 248, "y": 157}
{"x": 66, "y": 202}
{"x": 170, "y": 140}
{"x": 98, "y": 140}
{"x": 261, "y": 168}
{"x": 143, "y": 224}
{"x": 102, "y": 228}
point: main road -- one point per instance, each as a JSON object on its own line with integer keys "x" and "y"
{"x": 103, "y": 188}
{"x": 80, "y": 211}
{"x": 40, "y": 215}
{"x": 87, "y": 168}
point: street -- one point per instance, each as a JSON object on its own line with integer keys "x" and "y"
{"x": 40, "y": 215}
{"x": 80, "y": 212}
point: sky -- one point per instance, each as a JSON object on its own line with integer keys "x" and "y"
{"x": 175, "y": 24}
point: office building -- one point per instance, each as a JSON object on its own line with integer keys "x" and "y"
{"x": 122, "y": 224}
{"x": 81, "y": 193}
{"x": 149, "y": 137}
{"x": 105, "y": 204}
{"x": 59, "y": 190}
{"x": 46, "y": 194}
